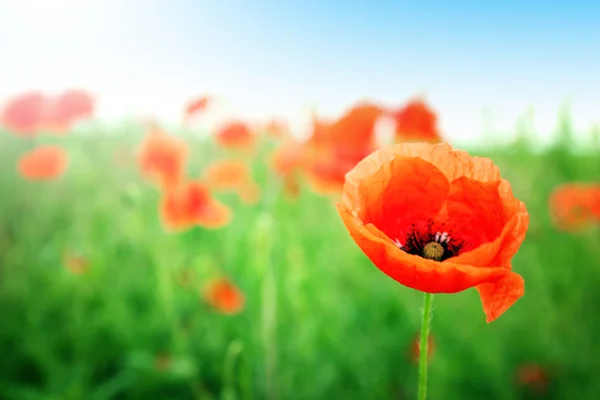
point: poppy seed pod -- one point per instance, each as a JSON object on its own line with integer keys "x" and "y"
{"x": 437, "y": 220}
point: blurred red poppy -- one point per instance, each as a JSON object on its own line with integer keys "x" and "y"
{"x": 277, "y": 128}
{"x": 335, "y": 148}
{"x": 416, "y": 122}
{"x": 533, "y": 376}
{"x": 24, "y": 115}
{"x": 289, "y": 157}
{"x": 574, "y": 206}
{"x": 288, "y": 161}
{"x": 232, "y": 175}
{"x": 235, "y": 135}
{"x": 224, "y": 296}
{"x": 43, "y": 163}
{"x": 67, "y": 109}
{"x": 162, "y": 158}
{"x": 197, "y": 106}
{"x": 191, "y": 203}
{"x": 226, "y": 174}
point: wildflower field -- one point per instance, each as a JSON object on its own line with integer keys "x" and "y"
{"x": 108, "y": 290}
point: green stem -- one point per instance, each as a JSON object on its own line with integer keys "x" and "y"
{"x": 269, "y": 300}
{"x": 424, "y": 346}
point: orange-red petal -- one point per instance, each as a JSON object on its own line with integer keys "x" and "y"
{"x": 396, "y": 194}
{"x": 43, "y": 163}
{"x": 499, "y": 295}
{"x": 414, "y": 271}
{"x": 192, "y": 204}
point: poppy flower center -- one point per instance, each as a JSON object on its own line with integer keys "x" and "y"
{"x": 430, "y": 243}
{"x": 433, "y": 251}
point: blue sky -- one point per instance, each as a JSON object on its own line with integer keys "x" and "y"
{"x": 278, "y": 56}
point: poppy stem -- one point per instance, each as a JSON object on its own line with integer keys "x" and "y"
{"x": 263, "y": 250}
{"x": 424, "y": 346}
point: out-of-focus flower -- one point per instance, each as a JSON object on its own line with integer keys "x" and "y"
{"x": 288, "y": 161}
{"x": 277, "y": 129}
{"x": 235, "y": 135}
{"x": 533, "y": 376}
{"x": 437, "y": 220}
{"x": 67, "y": 109}
{"x": 574, "y": 206}
{"x": 234, "y": 176}
{"x": 335, "y": 148}
{"x": 224, "y": 296}
{"x": 226, "y": 174}
{"x": 162, "y": 158}
{"x": 415, "y": 348}
{"x": 416, "y": 122}
{"x": 78, "y": 265}
{"x": 191, "y": 203}
{"x": 197, "y": 106}
{"x": 24, "y": 115}
{"x": 289, "y": 157}
{"x": 43, "y": 163}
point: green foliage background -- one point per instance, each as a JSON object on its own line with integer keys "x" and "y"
{"x": 320, "y": 320}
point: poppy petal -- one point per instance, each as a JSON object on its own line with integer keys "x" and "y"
{"x": 383, "y": 185}
{"x": 453, "y": 163}
{"x": 503, "y": 248}
{"x": 413, "y": 271}
{"x": 214, "y": 215}
{"x": 476, "y": 209}
{"x": 498, "y": 296}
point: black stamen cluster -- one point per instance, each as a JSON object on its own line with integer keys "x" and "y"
{"x": 419, "y": 235}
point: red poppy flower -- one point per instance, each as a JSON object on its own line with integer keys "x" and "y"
{"x": 227, "y": 174}
{"x": 288, "y": 158}
{"x": 235, "y": 136}
{"x": 574, "y": 206}
{"x": 334, "y": 149}
{"x": 43, "y": 163}
{"x": 67, "y": 109}
{"x": 224, "y": 296}
{"x": 232, "y": 175}
{"x": 437, "y": 220}
{"x": 191, "y": 203}
{"x": 277, "y": 128}
{"x": 416, "y": 122}
{"x": 24, "y": 115}
{"x": 162, "y": 158}
{"x": 197, "y": 106}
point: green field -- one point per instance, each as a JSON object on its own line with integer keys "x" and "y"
{"x": 320, "y": 321}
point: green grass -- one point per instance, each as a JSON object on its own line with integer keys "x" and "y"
{"x": 320, "y": 320}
